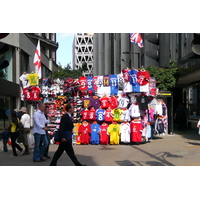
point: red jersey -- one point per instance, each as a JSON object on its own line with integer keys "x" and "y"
{"x": 95, "y": 83}
{"x": 143, "y": 77}
{"x": 126, "y": 75}
{"x": 104, "y": 134}
{"x": 35, "y": 93}
{"x": 27, "y": 93}
{"x": 105, "y": 102}
{"x": 113, "y": 102}
{"x": 136, "y": 134}
{"x": 83, "y": 83}
{"x": 92, "y": 114}
{"x": 84, "y": 131}
{"x": 108, "y": 115}
{"x": 84, "y": 114}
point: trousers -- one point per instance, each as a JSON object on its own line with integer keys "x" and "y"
{"x": 67, "y": 147}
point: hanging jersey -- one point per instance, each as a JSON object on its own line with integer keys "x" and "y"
{"x": 114, "y": 132}
{"x": 84, "y": 131}
{"x": 125, "y": 132}
{"x": 143, "y": 102}
{"x": 106, "y": 80}
{"x": 136, "y": 131}
{"x": 87, "y": 102}
{"x": 123, "y": 102}
{"x": 27, "y": 93}
{"x": 100, "y": 114}
{"x": 89, "y": 83}
{"x": 134, "y": 110}
{"x": 35, "y": 93}
{"x": 125, "y": 117}
{"x": 108, "y": 115}
{"x": 143, "y": 77}
{"x": 95, "y": 103}
{"x": 113, "y": 84}
{"x": 33, "y": 79}
{"x": 95, "y": 83}
{"x": 105, "y": 102}
{"x": 84, "y": 114}
{"x": 127, "y": 87}
{"x": 120, "y": 81}
{"x": 100, "y": 90}
{"x": 113, "y": 102}
{"x": 133, "y": 76}
{"x": 95, "y": 132}
{"x": 92, "y": 114}
{"x": 104, "y": 134}
{"x": 116, "y": 113}
{"x": 136, "y": 87}
{"x": 24, "y": 80}
{"x": 144, "y": 88}
{"x": 126, "y": 75}
{"x": 83, "y": 83}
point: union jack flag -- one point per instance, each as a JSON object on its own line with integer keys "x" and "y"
{"x": 136, "y": 39}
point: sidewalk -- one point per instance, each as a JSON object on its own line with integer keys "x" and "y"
{"x": 179, "y": 149}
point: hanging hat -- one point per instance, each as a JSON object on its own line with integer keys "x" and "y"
{"x": 23, "y": 109}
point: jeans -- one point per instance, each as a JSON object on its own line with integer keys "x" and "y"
{"x": 5, "y": 148}
{"x": 40, "y": 146}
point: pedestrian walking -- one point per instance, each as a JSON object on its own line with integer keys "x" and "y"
{"x": 39, "y": 133}
{"x": 26, "y": 122}
{"x": 14, "y": 134}
{"x": 65, "y": 131}
{"x": 5, "y": 137}
{"x": 180, "y": 116}
{"x": 46, "y": 112}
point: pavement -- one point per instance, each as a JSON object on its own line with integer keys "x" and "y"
{"x": 178, "y": 149}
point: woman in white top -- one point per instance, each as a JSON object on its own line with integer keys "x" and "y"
{"x": 26, "y": 122}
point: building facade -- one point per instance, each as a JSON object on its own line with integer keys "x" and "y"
{"x": 114, "y": 51}
{"x": 20, "y": 56}
{"x": 82, "y": 50}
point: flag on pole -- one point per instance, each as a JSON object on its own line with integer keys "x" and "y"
{"x": 136, "y": 39}
{"x": 37, "y": 60}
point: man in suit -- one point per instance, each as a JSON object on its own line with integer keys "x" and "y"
{"x": 66, "y": 127}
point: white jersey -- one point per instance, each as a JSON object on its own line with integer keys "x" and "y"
{"x": 134, "y": 110}
{"x": 123, "y": 101}
{"x": 127, "y": 87}
{"x": 24, "y": 80}
{"x": 100, "y": 90}
{"x": 125, "y": 117}
{"x": 125, "y": 132}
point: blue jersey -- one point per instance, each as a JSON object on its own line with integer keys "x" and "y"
{"x": 136, "y": 87}
{"x": 113, "y": 84}
{"x": 133, "y": 76}
{"x": 95, "y": 128}
{"x": 100, "y": 114}
{"x": 89, "y": 80}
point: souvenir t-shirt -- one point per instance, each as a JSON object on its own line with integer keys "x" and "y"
{"x": 143, "y": 77}
{"x": 33, "y": 79}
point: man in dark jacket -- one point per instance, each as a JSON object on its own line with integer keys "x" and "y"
{"x": 66, "y": 127}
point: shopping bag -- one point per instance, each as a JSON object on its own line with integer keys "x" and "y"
{"x": 31, "y": 141}
{"x": 9, "y": 142}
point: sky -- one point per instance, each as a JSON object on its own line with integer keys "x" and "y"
{"x": 64, "y": 52}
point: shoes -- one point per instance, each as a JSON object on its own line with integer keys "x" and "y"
{"x": 42, "y": 159}
{"x": 47, "y": 157}
{"x": 21, "y": 153}
{"x": 37, "y": 161}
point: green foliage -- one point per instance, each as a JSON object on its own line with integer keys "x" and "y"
{"x": 67, "y": 72}
{"x": 166, "y": 76}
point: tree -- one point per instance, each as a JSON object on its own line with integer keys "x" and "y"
{"x": 165, "y": 76}
{"x": 67, "y": 72}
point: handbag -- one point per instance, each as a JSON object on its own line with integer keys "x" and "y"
{"x": 31, "y": 141}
